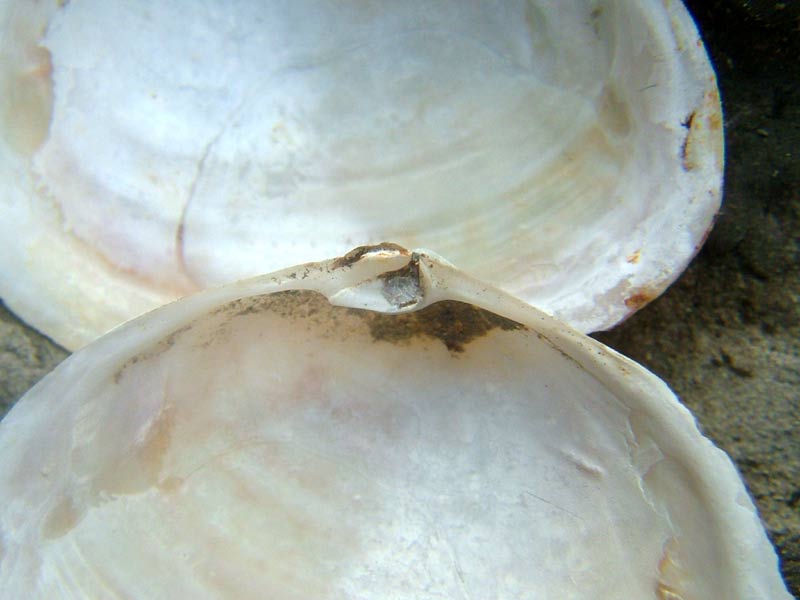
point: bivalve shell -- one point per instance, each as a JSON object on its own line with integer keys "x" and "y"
{"x": 568, "y": 152}
{"x": 375, "y": 426}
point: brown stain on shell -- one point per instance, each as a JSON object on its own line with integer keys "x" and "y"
{"x": 640, "y": 299}
{"x": 453, "y": 323}
{"x": 703, "y": 139}
{"x": 634, "y": 257}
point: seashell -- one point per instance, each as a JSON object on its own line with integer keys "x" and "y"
{"x": 375, "y": 426}
{"x": 568, "y": 152}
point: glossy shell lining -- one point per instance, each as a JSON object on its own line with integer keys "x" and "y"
{"x": 276, "y": 435}
{"x": 569, "y": 153}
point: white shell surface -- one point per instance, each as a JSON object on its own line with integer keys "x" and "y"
{"x": 275, "y": 438}
{"x": 568, "y": 152}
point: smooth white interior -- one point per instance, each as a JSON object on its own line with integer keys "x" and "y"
{"x": 276, "y": 448}
{"x": 539, "y": 145}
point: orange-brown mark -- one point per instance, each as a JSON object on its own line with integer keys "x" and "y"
{"x": 669, "y": 571}
{"x": 703, "y": 139}
{"x": 639, "y": 299}
{"x": 666, "y": 564}
{"x": 634, "y": 258}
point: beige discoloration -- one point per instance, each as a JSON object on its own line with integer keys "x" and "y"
{"x": 142, "y": 469}
{"x": 137, "y": 472}
{"x": 670, "y": 572}
{"x": 614, "y": 112}
{"x": 665, "y": 593}
{"x": 170, "y": 484}
{"x": 27, "y": 102}
{"x": 61, "y": 519}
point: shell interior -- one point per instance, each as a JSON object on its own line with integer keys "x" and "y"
{"x": 275, "y": 438}
{"x": 568, "y": 152}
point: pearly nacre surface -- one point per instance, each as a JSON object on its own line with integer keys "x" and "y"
{"x": 375, "y": 426}
{"x": 568, "y": 152}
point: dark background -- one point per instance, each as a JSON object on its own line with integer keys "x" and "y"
{"x": 725, "y": 336}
